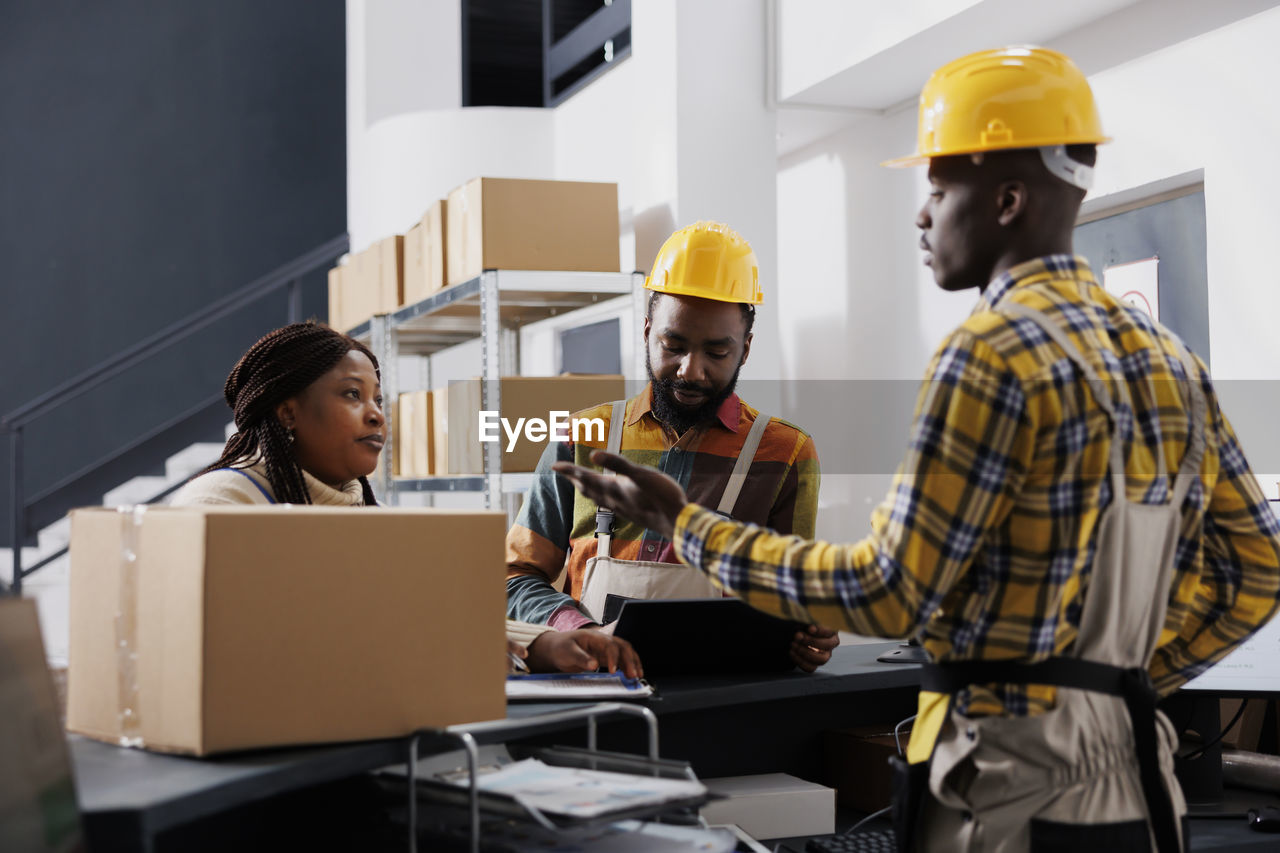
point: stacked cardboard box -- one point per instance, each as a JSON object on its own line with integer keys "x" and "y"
{"x": 370, "y": 282}
{"x": 439, "y": 407}
{"x": 414, "y": 435}
{"x": 205, "y": 630}
{"x": 502, "y": 223}
{"x": 424, "y": 255}
{"x": 522, "y": 397}
{"x": 487, "y": 223}
{"x": 336, "y": 295}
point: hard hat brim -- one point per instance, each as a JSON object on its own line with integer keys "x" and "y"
{"x": 923, "y": 159}
{"x": 700, "y": 294}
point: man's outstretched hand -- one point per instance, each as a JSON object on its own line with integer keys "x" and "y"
{"x": 642, "y": 494}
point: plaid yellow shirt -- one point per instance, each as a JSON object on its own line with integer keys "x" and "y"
{"x": 985, "y": 542}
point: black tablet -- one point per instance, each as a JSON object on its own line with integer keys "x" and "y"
{"x": 705, "y": 636}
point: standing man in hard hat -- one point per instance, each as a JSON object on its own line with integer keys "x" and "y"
{"x": 1073, "y": 530}
{"x": 689, "y": 423}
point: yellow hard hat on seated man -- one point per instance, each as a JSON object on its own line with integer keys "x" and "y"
{"x": 1010, "y": 97}
{"x": 709, "y": 260}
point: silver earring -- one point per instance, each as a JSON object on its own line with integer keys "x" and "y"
{"x": 288, "y": 431}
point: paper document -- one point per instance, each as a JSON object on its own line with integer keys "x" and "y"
{"x": 577, "y": 792}
{"x": 626, "y": 836}
{"x": 581, "y": 685}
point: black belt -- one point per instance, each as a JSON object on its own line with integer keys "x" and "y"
{"x": 1132, "y": 685}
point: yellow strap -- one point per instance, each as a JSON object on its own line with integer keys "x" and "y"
{"x": 931, "y": 713}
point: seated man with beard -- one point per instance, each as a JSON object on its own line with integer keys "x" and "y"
{"x": 689, "y": 423}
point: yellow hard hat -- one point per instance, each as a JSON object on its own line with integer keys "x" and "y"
{"x": 709, "y": 260}
{"x": 1013, "y": 97}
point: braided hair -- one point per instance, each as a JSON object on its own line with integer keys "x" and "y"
{"x": 279, "y": 366}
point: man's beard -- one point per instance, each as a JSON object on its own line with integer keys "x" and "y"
{"x": 670, "y": 412}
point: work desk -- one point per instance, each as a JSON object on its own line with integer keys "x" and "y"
{"x": 717, "y": 723}
{"x": 722, "y": 725}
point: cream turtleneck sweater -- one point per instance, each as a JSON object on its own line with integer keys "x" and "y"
{"x": 251, "y": 486}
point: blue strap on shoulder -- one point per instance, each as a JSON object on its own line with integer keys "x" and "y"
{"x": 257, "y": 485}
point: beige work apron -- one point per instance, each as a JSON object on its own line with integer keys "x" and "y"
{"x": 605, "y": 575}
{"x": 1043, "y": 783}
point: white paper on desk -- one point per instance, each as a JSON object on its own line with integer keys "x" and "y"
{"x": 582, "y": 686}
{"x": 576, "y": 792}
{"x": 627, "y": 836}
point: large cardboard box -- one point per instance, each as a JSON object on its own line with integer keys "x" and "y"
{"x": 772, "y": 805}
{"x": 424, "y": 252}
{"x": 242, "y": 627}
{"x": 413, "y": 435}
{"x": 38, "y": 812}
{"x": 530, "y": 398}
{"x": 503, "y": 223}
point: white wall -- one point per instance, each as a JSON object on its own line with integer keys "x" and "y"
{"x": 408, "y": 139}
{"x": 1207, "y": 104}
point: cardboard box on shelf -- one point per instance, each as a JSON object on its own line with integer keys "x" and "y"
{"x": 434, "y": 223}
{"x": 390, "y": 273}
{"x": 360, "y": 283}
{"x": 336, "y": 295}
{"x": 245, "y": 627}
{"x": 413, "y": 435}
{"x": 424, "y": 255}
{"x": 772, "y": 805}
{"x": 439, "y": 414}
{"x": 415, "y": 274}
{"x": 857, "y": 764}
{"x": 524, "y": 400}
{"x": 373, "y": 282}
{"x": 503, "y": 223}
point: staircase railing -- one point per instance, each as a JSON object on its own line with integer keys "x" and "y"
{"x": 289, "y": 276}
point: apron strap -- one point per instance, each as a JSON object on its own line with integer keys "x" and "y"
{"x": 1194, "y": 454}
{"x": 604, "y": 517}
{"x": 746, "y": 455}
{"x": 1100, "y": 393}
{"x": 1132, "y": 685}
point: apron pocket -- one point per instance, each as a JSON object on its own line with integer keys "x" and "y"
{"x": 1128, "y": 836}
{"x": 910, "y": 785}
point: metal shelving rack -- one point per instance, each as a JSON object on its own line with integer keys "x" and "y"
{"x": 492, "y": 307}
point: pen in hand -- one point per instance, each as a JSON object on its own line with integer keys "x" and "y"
{"x": 517, "y": 662}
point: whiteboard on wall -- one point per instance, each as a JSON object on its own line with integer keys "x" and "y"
{"x": 1136, "y": 283}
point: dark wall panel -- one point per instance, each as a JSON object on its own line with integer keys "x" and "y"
{"x": 155, "y": 156}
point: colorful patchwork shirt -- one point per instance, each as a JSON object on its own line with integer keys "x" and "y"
{"x": 554, "y": 534}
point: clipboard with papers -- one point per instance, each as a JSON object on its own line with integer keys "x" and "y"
{"x": 553, "y": 686}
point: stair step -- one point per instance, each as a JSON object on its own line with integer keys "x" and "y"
{"x": 136, "y": 491}
{"x": 55, "y": 535}
{"x": 188, "y": 461}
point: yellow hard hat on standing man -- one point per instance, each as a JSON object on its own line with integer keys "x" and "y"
{"x": 1010, "y": 97}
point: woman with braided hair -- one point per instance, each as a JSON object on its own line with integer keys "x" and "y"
{"x": 309, "y": 423}
{"x": 309, "y": 428}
